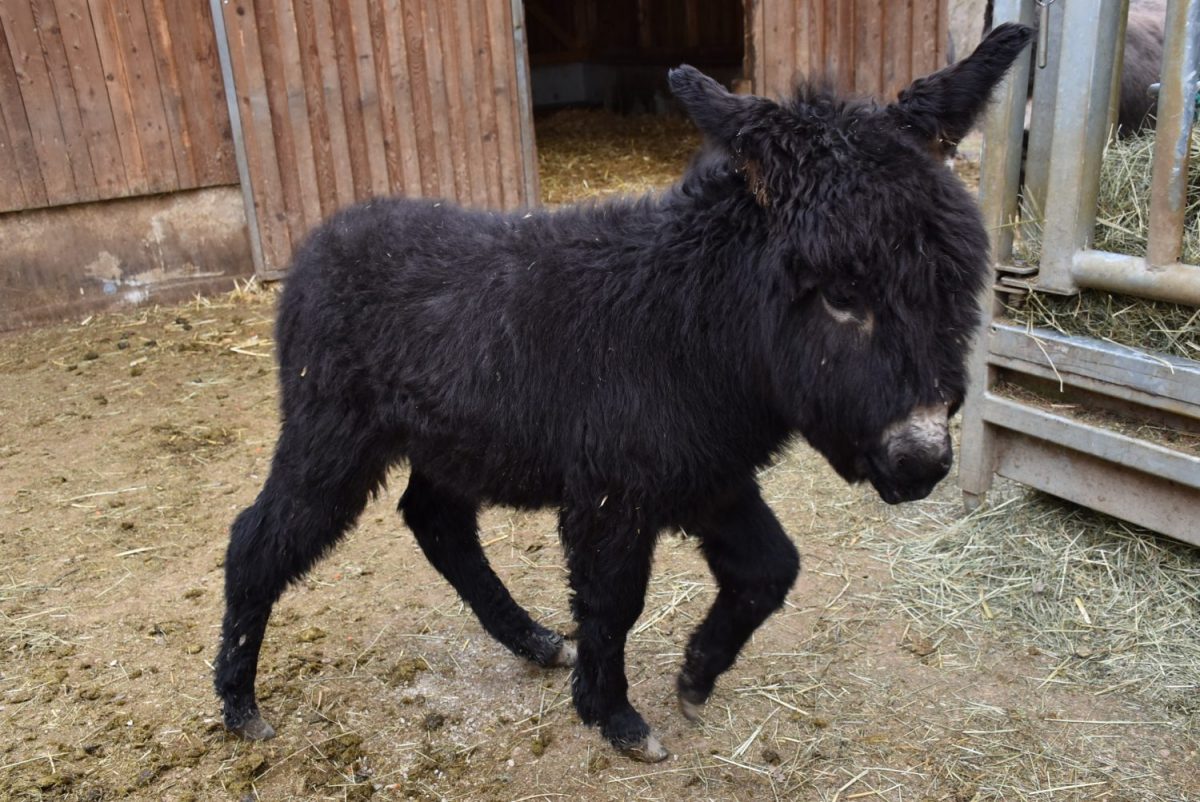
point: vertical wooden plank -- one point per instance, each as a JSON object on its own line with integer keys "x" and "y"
{"x": 499, "y": 42}
{"x": 351, "y": 107}
{"x": 897, "y": 48}
{"x": 305, "y": 207}
{"x": 435, "y": 161}
{"x": 12, "y": 194}
{"x": 37, "y": 98}
{"x": 270, "y": 37}
{"x": 844, "y": 46}
{"x": 368, "y": 97}
{"x": 18, "y": 131}
{"x": 781, "y": 33}
{"x": 447, "y": 120}
{"x": 95, "y": 110}
{"x": 133, "y": 38}
{"x": 924, "y": 37}
{"x": 164, "y": 53}
{"x": 326, "y": 68}
{"x": 120, "y": 100}
{"x": 485, "y": 94}
{"x": 868, "y": 47}
{"x": 262, "y": 160}
{"x": 816, "y": 37}
{"x": 943, "y": 36}
{"x": 801, "y": 44}
{"x": 450, "y": 169}
{"x": 762, "y": 46}
{"x": 308, "y": 53}
{"x": 380, "y": 57}
{"x": 65, "y": 98}
{"x": 401, "y": 91}
{"x": 469, "y": 123}
{"x": 833, "y": 58}
{"x": 203, "y": 112}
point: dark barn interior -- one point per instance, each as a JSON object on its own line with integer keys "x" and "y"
{"x": 615, "y": 54}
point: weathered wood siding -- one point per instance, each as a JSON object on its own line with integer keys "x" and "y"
{"x": 105, "y": 99}
{"x": 868, "y": 47}
{"x": 343, "y": 100}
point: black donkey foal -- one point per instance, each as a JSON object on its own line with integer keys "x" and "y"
{"x": 632, "y": 364}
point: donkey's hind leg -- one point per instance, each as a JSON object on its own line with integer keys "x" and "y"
{"x": 319, "y": 483}
{"x": 446, "y": 529}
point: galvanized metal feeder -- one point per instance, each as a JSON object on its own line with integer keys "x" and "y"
{"x": 1147, "y": 483}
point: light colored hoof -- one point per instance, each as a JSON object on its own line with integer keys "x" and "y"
{"x": 691, "y": 710}
{"x": 649, "y": 750}
{"x": 566, "y": 656}
{"x": 256, "y": 729}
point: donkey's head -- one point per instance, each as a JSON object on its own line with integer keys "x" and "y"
{"x": 874, "y": 259}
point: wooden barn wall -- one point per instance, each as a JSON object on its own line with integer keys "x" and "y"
{"x": 343, "y": 100}
{"x": 104, "y": 99}
{"x": 870, "y": 47}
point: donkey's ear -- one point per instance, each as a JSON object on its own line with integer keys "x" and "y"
{"x": 721, "y": 115}
{"x": 941, "y": 108}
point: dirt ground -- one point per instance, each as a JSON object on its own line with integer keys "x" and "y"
{"x": 127, "y": 445}
{"x": 129, "y": 442}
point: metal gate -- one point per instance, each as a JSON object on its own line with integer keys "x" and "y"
{"x": 1148, "y": 483}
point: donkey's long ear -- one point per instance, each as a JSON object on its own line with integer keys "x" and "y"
{"x": 941, "y": 108}
{"x": 737, "y": 123}
{"x": 728, "y": 119}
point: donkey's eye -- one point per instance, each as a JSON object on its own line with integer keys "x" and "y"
{"x": 844, "y": 307}
{"x": 839, "y": 299}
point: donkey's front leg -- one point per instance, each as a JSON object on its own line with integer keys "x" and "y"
{"x": 609, "y": 557}
{"x": 755, "y": 565}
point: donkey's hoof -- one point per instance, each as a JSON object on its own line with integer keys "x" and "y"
{"x": 256, "y": 728}
{"x": 566, "y": 655}
{"x": 691, "y": 710}
{"x": 647, "y": 750}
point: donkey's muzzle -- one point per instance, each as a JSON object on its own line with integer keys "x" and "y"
{"x": 913, "y": 456}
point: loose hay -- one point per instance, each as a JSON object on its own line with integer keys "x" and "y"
{"x": 587, "y": 153}
{"x": 1116, "y": 607}
{"x": 1122, "y": 218}
{"x": 1172, "y": 329}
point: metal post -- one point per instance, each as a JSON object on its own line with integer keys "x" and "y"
{"x": 1176, "y": 111}
{"x": 239, "y": 141}
{"x": 1041, "y": 127}
{"x": 1000, "y": 174}
{"x": 1080, "y": 131}
{"x": 529, "y": 171}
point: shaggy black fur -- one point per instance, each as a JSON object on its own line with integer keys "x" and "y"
{"x": 632, "y": 364}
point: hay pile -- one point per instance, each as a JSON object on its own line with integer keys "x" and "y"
{"x": 1122, "y": 218}
{"x": 1115, "y": 607}
{"x": 591, "y": 153}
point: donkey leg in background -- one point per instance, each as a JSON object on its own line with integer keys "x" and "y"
{"x": 609, "y": 560}
{"x": 320, "y": 480}
{"x": 446, "y": 529}
{"x": 755, "y": 565}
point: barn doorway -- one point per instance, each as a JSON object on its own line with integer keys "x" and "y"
{"x": 604, "y": 118}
